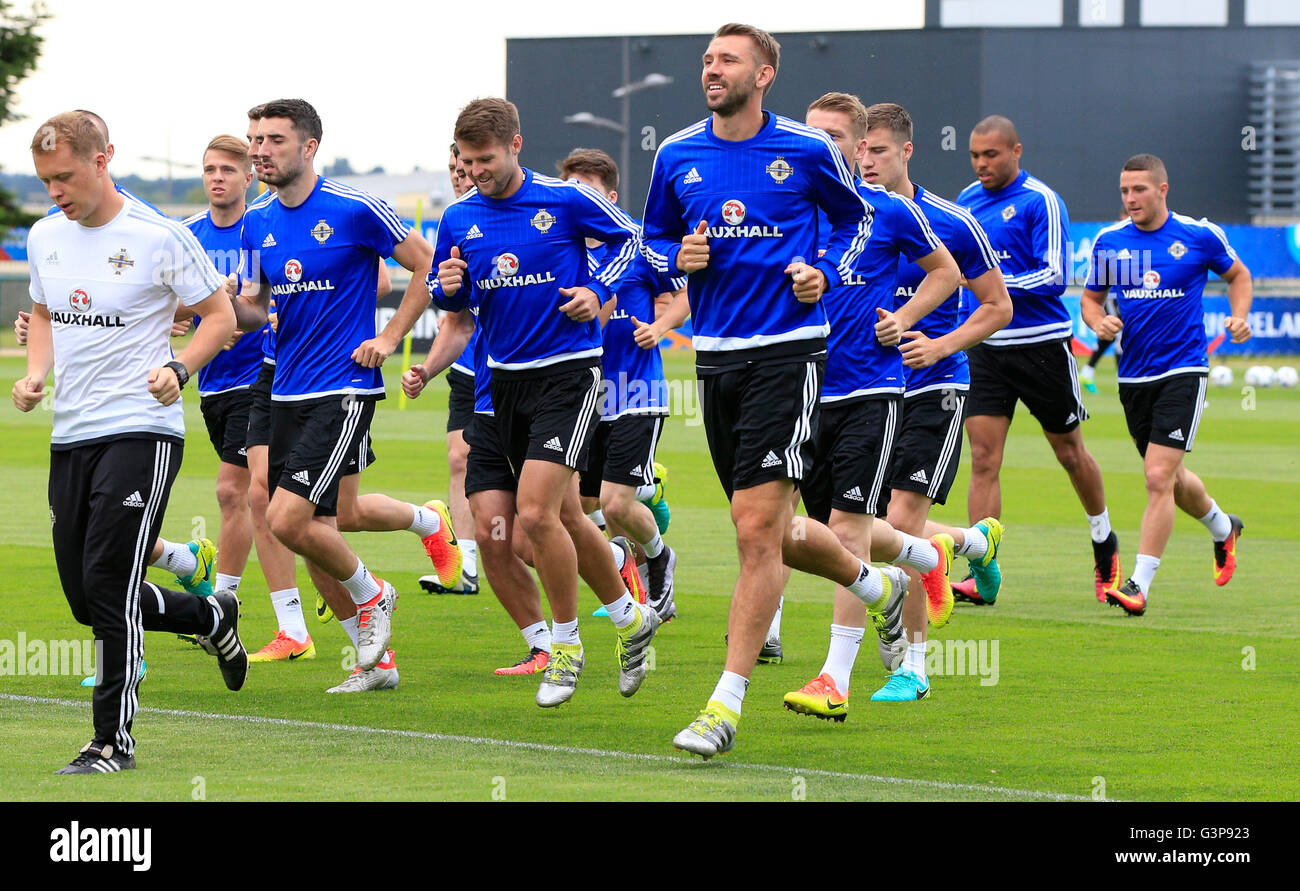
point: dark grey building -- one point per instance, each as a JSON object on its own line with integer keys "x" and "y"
{"x": 1083, "y": 98}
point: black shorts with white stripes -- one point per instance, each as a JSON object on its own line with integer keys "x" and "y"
{"x": 226, "y": 416}
{"x": 759, "y": 419}
{"x": 547, "y": 414}
{"x": 316, "y": 443}
{"x": 852, "y": 446}
{"x": 1043, "y": 376}
{"x": 1166, "y": 412}
{"x": 927, "y": 451}
{"x": 622, "y": 451}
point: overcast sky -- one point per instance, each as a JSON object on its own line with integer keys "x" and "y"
{"x": 387, "y": 76}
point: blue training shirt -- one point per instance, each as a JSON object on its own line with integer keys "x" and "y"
{"x": 633, "y": 378}
{"x": 759, "y": 197}
{"x": 237, "y": 367}
{"x": 857, "y": 366}
{"x": 1158, "y": 278}
{"x": 1028, "y": 226}
{"x": 520, "y": 251}
{"x": 321, "y": 262}
{"x": 267, "y": 333}
{"x": 970, "y": 247}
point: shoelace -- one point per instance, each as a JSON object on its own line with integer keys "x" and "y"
{"x": 560, "y": 663}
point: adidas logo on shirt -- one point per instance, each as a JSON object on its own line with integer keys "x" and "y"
{"x": 1177, "y": 434}
{"x": 474, "y": 232}
{"x": 554, "y": 444}
{"x": 771, "y": 460}
{"x": 919, "y": 477}
{"x": 269, "y": 240}
{"x": 301, "y": 477}
{"x": 692, "y": 177}
{"x": 854, "y": 494}
{"x": 134, "y": 500}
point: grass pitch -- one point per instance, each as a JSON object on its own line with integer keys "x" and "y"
{"x": 1195, "y": 700}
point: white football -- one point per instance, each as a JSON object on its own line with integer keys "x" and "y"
{"x": 1221, "y": 376}
{"x": 1287, "y": 377}
{"x": 1259, "y": 376}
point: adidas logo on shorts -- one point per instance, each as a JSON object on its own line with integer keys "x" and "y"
{"x": 1177, "y": 435}
{"x": 692, "y": 177}
{"x": 133, "y": 500}
{"x": 854, "y": 494}
{"x": 474, "y": 232}
{"x": 919, "y": 477}
{"x": 1072, "y": 418}
{"x": 771, "y": 460}
{"x": 636, "y": 471}
{"x": 554, "y": 444}
{"x": 268, "y": 241}
{"x": 301, "y": 477}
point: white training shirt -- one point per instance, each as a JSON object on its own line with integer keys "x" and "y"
{"x": 111, "y": 292}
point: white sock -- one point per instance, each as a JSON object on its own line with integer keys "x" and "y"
{"x": 1087, "y": 372}
{"x": 177, "y": 559}
{"x": 1144, "y": 571}
{"x": 565, "y": 633}
{"x": 228, "y": 582}
{"x": 645, "y": 493}
{"x": 1100, "y": 525}
{"x": 361, "y": 585}
{"x": 426, "y": 521}
{"x": 654, "y": 547}
{"x": 537, "y": 636}
{"x": 620, "y": 556}
{"x": 730, "y": 690}
{"x": 914, "y": 660}
{"x": 869, "y": 587}
{"x": 622, "y": 612}
{"x": 1217, "y": 522}
{"x": 288, "y": 612}
{"x": 973, "y": 545}
{"x": 918, "y": 553}
{"x": 841, "y": 655}
{"x": 774, "y": 630}
{"x": 469, "y": 555}
{"x": 352, "y": 626}
{"x": 598, "y": 517}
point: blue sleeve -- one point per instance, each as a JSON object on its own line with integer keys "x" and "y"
{"x": 970, "y": 246}
{"x": 1219, "y": 255}
{"x": 662, "y": 227}
{"x": 913, "y": 235}
{"x": 442, "y": 251}
{"x": 833, "y": 190}
{"x": 1049, "y": 232}
{"x": 597, "y": 218}
{"x": 377, "y": 226}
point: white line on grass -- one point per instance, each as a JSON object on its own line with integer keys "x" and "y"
{"x": 937, "y": 785}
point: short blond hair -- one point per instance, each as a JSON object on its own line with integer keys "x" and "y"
{"x": 846, "y": 104}
{"x": 72, "y": 128}
{"x": 233, "y": 146}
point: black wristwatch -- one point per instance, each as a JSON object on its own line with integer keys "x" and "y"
{"x": 182, "y": 373}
